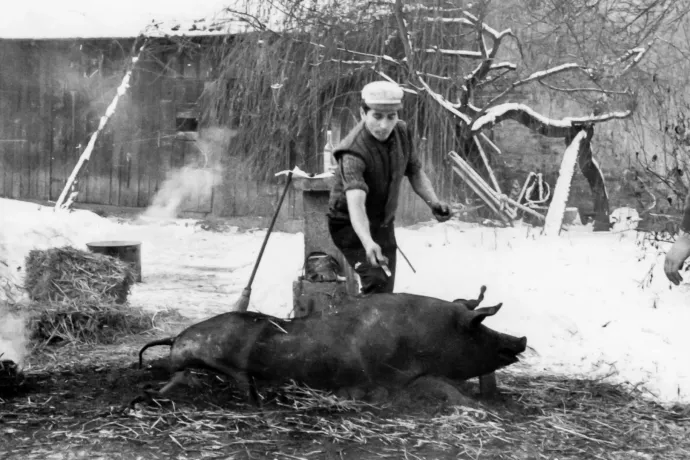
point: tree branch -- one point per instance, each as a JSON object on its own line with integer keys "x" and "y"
{"x": 486, "y": 81}
{"x": 444, "y": 103}
{"x": 537, "y": 76}
{"x": 575, "y": 90}
{"x": 638, "y": 54}
{"x": 493, "y": 32}
{"x": 552, "y": 71}
{"x": 535, "y": 121}
{"x": 461, "y": 53}
{"x": 386, "y": 77}
{"x": 404, "y": 36}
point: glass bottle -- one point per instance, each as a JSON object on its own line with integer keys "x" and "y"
{"x": 329, "y": 163}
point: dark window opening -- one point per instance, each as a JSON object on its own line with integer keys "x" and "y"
{"x": 187, "y": 124}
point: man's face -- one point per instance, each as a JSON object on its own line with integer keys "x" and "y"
{"x": 379, "y": 123}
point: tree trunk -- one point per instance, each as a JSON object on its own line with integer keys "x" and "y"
{"x": 590, "y": 169}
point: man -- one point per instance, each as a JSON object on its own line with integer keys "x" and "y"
{"x": 372, "y": 160}
{"x": 680, "y": 250}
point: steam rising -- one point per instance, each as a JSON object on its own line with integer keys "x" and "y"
{"x": 194, "y": 182}
{"x": 13, "y": 338}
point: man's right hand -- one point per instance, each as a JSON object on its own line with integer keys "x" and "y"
{"x": 374, "y": 254}
{"x": 675, "y": 258}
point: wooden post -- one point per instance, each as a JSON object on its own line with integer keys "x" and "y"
{"x": 486, "y": 163}
{"x": 480, "y": 187}
{"x": 491, "y": 144}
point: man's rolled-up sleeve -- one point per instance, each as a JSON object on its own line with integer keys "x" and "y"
{"x": 413, "y": 165}
{"x": 352, "y": 168}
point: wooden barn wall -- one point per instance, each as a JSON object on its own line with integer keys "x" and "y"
{"x": 52, "y": 96}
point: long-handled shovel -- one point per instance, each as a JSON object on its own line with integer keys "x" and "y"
{"x": 243, "y": 302}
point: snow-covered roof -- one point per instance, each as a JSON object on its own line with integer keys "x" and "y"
{"x": 64, "y": 19}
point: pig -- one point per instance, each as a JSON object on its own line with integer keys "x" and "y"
{"x": 387, "y": 340}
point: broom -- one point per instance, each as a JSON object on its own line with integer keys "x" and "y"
{"x": 243, "y": 302}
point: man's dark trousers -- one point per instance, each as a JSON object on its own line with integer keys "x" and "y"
{"x": 372, "y": 279}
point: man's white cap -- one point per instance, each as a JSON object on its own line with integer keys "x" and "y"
{"x": 383, "y": 95}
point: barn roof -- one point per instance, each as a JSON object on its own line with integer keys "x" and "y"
{"x": 65, "y": 19}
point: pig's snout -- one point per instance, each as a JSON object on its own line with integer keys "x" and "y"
{"x": 511, "y": 348}
{"x": 521, "y": 345}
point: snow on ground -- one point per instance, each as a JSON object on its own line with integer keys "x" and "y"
{"x": 593, "y": 305}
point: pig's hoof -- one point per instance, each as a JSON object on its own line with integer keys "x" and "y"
{"x": 145, "y": 397}
{"x": 141, "y": 399}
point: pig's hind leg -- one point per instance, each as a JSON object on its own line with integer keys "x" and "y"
{"x": 245, "y": 383}
{"x": 178, "y": 378}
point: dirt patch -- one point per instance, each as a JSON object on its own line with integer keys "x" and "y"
{"x": 74, "y": 403}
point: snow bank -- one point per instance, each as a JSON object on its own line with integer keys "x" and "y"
{"x": 592, "y": 305}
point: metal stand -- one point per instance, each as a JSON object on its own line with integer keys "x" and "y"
{"x": 327, "y": 294}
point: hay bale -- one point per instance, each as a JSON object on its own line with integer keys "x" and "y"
{"x": 79, "y": 297}
{"x": 70, "y": 274}
{"x": 68, "y": 322}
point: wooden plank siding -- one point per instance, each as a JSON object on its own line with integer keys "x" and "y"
{"x": 53, "y": 94}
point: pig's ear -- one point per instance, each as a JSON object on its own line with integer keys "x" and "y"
{"x": 480, "y": 314}
{"x": 474, "y": 303}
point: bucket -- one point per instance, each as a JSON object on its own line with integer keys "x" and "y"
{"x": 126, "y": 251}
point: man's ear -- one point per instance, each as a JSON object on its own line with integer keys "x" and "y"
{"x": 362, "y": 114}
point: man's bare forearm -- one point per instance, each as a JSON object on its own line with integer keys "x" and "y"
{"x": 422, "y": 186}
{"x": 358, "y": 215}
{"x": 685, "y": 223}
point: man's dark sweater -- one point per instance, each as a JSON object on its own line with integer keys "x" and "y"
{"x": 375, "y": 167}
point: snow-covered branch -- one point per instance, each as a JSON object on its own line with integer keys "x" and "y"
{"x": 444, "y": 102}
{"x": 537, "y": 76}
{"x": 527, "y": 116}
{"x": 435, "y": 9}
{"x": 496, "y": 35}
{"x": 583, "y": 90}
{"x": 461, "y": 53}
{"x": 494, "y": 78}
{"x": 437, "y": 77}
{"x": 383, "y": 57}
{"x": 463, "y": 21}
{"x": 353, "y": 62}
{"x": 386, "y": 77}
{"x": 638, "y": 54}
{"x": 503, "y": 65}
{"x": 479, "y": 70}
{"x": 493, "y": 32}
{"x": 552, "y": 71}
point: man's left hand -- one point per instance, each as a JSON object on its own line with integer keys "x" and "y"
{"x": 679, "y": 252}
{"x": 441, "y": 211}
